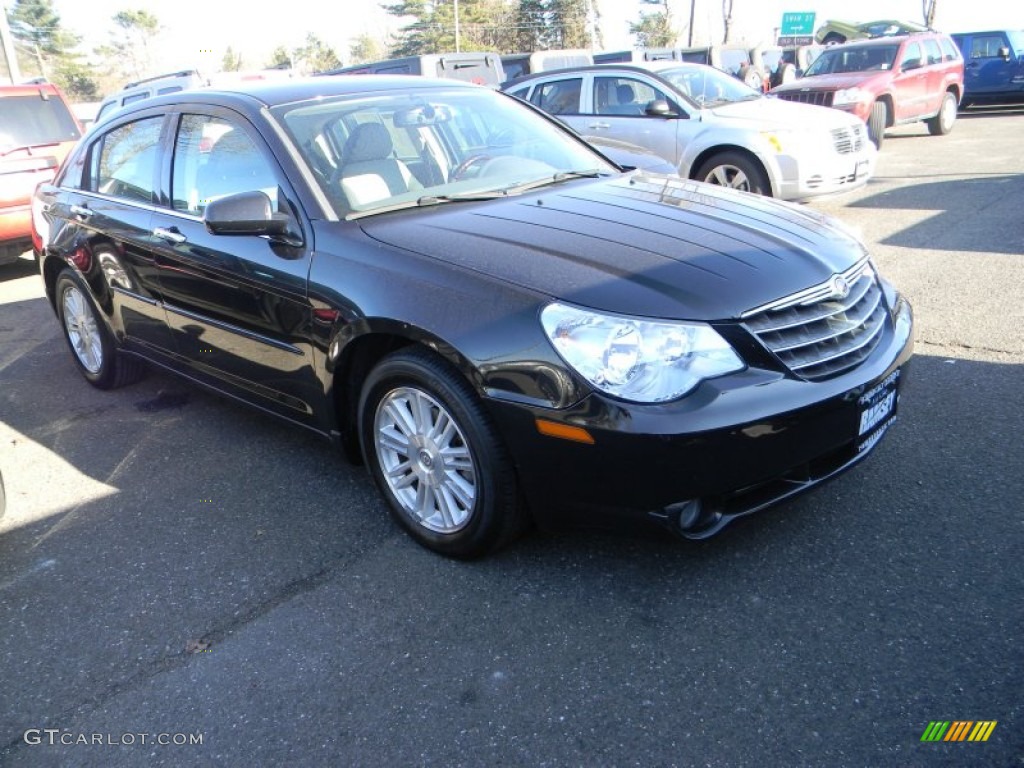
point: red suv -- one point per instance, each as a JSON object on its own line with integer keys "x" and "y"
{"x": 887, "y": 81}
{"x": 37, "y": 130}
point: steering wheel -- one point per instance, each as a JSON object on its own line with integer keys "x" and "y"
{"x": 462, "y": 168}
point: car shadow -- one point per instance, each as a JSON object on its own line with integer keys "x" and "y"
{"x": 996, "y": 208}
{"x": 21, "y": 268}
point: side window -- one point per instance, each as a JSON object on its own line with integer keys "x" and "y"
{"x": 560, "y": 97}
{"x": 624, "y": 96}
{"x": 214, "y": 158}
{"x": 126, "y": 164}
{"x": 931, "y": 48}
{"x": 986, "y": 47}
{"x": 520, "y": 91}
{"x": 135, "y": 97}
{"x": 910, "y": 54}
{"x": 949, "y": 50}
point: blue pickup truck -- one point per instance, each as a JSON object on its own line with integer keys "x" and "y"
{"x": 993, "y": 67}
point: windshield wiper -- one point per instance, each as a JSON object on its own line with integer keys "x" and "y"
{"x": 465, "y": 197}
{"x": 557, "y": 178}
{"x": 427, "y": 200}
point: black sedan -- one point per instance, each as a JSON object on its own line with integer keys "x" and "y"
{"x": 500, "y": 322}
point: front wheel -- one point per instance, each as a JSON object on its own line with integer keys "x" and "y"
{"x": 436, "y": 457}
{"x": 942, "y": 123}
{"x": 731, "y": 169}
{"x": 876, "y": 123}
{"x": 92, "y": 346}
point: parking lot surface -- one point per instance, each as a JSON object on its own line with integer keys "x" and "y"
{"x": 177, "y": 569}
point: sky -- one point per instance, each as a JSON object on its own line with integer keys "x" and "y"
{"x": 197, "y": 32}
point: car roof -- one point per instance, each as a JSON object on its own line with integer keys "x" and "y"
{"x": 271, "y": 93}
{"x": 28, "y": 89}
{"x": 648, "y": 67}
{"x": 884, "y": 40}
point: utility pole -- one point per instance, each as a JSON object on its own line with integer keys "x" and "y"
{"x": 7, "y": 44}
{"x": 693, "y": 10}
{"x": 457, "y": 26}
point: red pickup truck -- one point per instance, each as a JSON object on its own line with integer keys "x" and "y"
{"x": 887, "y": 81}
{"x": 37, "y": 130}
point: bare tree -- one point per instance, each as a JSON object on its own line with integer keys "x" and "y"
{"x": 727, "y": 19}
{"x": 928, "y": 11}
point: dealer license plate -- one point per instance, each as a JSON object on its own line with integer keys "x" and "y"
{"x": 877, "y": 409}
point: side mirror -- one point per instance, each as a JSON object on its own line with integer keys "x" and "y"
{"x": 659, "y": 108}
{"x": 247, "y": 213}
{"x": 910, "y": 64}
{"x": 1004, "y": 53}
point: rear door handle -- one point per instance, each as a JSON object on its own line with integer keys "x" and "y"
{"x": 81, "y": 211}
{"x": 600, "y": 125}
{"x": 171, "y": 235}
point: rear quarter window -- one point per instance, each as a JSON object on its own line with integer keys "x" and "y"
{"x": 125, "y": 161}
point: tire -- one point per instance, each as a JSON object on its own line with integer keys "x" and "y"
{"x": 876, "y": 123}
{"x": 735, "y": 170}
{"x": 943, "y": 122}
{"x": 833, "y": 38}
{"x": 454, "y": 492}
{"x": 92, "y": 346}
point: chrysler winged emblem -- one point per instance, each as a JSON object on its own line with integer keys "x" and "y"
{"x": 840, "y": 288}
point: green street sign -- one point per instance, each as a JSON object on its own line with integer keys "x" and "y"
{"x": 797, "y": 23}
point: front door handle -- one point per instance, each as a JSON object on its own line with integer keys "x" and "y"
{"x": 599, "y": 125}
{"x": 171, "y": 235}
{"x": 81, "y": 211}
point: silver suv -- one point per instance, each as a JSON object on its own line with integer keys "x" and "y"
{"x": 710, "y": 126}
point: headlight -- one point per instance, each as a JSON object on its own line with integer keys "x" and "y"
{"x": 644, "y": 361}
{"x": 848, "y": 96}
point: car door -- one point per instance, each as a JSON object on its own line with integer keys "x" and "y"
{"x": 107, "y": 207}
{"x": 236, "y": 304}
{"x": 910, "y": 84}
{"x": 986, "y": 70}
{"x": 617, "y": 109}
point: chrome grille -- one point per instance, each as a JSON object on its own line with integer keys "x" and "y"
{"x": 821, "y": 98}
{"x": 816, "y": 333}
{"x": 849, "y": 139}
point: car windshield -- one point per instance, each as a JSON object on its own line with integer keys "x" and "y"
{"x": 425, "y": 146}
{"x": 855, "y": 58}
{"x": 29, "y": 121}
{"x": 707, "y": 86}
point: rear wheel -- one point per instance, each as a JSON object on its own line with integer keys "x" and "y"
{"x": 731, "y": 169}
{"x": 942, "y": 123}
{"x": 876, "y": 123}
{"x": 436, "y": 457}
{"x": 92, "y": 346}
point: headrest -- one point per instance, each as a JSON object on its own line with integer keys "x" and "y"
{"x": 369, "y": 141}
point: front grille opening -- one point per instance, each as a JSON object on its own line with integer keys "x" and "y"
{"x": 824, "y": 336}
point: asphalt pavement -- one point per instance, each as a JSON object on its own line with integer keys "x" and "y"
{"x": 185, "y": 582}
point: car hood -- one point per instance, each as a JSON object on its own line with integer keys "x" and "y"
{"x": 768, "y": 113}
{"x": 833, "y": 82}
{"x": 640, "y": 244}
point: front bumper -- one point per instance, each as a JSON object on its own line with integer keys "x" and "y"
{"x": 825, "y": 173}
{"x": 734, "y": 446}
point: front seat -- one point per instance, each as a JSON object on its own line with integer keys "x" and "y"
{"x": 369, "y": 171}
